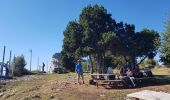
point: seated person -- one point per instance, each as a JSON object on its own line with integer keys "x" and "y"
{"x": 129, "y": 78}
{"x": 110, "y": 71}
{"x": 129, "y": 72}
{"x": 123, "y": 71}
{"x": 136, "y": 72}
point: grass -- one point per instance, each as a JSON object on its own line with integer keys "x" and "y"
{"x": 47, "y": 87}
{"x": 57, "y": 76}
{"x": 161, "y": 71}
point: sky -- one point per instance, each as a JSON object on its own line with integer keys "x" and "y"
{"x": 39, "y": 24}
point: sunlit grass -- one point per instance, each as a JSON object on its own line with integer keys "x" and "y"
{"x": 58, "y": 76}
{"x": 161, "y": 71}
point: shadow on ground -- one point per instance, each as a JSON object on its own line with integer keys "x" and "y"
{"x": 157, "y": 81}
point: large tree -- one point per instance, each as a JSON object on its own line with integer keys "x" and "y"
{"x": 97, "y": 33}
{"x": 72, "y": 44}
{"x": 96, "y": 22}
{"x": 147, "y": 44}
{"x": 165, "y": 47}
{"x": 132, "y": 45}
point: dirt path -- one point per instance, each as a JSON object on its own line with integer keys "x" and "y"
{"x": 63, "y": 87}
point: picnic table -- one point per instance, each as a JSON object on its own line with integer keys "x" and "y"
{"x": 149, "y": 95}
{"x": 103, "y": 79}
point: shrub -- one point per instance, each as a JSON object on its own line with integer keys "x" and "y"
{"x": 19, "y": 66}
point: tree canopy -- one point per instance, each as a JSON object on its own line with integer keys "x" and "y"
{"x": 97, "y": 33}
{"x": 165, "y": 47}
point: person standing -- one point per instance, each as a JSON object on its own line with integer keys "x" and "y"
{"x": 79, "y": 72}
{"x": 43, "y": 65}
{"x": 111, "y": 76}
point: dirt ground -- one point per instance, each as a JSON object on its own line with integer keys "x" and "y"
{"x": 63, "y": 87}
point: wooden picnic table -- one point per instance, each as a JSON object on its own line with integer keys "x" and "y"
{"x": 98, "y": 80}
{"x": 149, "y": 95}
{"x": 103, "y": 78}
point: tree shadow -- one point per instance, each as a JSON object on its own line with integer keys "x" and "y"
{"x": 158, "y": 80}
{"x": 162, "y": 80}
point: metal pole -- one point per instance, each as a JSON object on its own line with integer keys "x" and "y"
{"x": 4, "y": 54}
{"x": 9, "y": 67}
{"x": 13, "y": 65}
{"x": 47, "y": 66}
{"x": 3, "y": 60}
{"x": 30, "y": 59}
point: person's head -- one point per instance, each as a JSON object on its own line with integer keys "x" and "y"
{"x": 109, "y": 67}
{"x": 128, "y": 69}
{"x": 78, "y": 61}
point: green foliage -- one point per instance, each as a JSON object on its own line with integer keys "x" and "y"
{"x": 147, "y": 42}
{"x": 72, "y": 42}
{"x": 19, "y": 66}
{"x": 97, "y": 25}
{"x": 72, "y": 45}
{"x": 97, "y": 32}
{"x": 165, "y": 47}
{"x": 135, "y": 44}
{"x": 67, "y": 62}
{"x": 108, "y": 62}
{"x": 83, "y": 66}
{"x": 148, "y": 63}
{"x": 96, "y": 21}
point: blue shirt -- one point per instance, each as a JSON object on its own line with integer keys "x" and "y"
{"x": 79, "y": 69}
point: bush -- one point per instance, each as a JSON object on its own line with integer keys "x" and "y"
{"x": 151, "y": 63}
{"x": 19, "y": 66}
{"x": 19, "y": 72}
{"x": 67, "y": 62}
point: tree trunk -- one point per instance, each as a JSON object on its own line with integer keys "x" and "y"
{"x": 132, "y": 62}
{"x": 99, "y": 62}
{"x": 142, "y": 60}
{"x": 103, "y": 56}
{"x": 92, "y": 68}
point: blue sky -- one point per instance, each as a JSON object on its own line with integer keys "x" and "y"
{"x": 39, "y": 24}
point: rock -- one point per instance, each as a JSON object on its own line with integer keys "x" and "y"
{"x": 1, "y": 94}
{"x": 26, "y": 98}
{"x": 8, "y": 95}
{"x": 102, "y": 95}
{"x": 36, "y": 97}
{"x": 52, "y": 97}
{"x": 58, "y": 89}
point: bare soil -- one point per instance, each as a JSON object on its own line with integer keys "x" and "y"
{"x": 63, "y": 87}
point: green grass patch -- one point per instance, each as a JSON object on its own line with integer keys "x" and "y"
{"x": 58, "y": 76}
